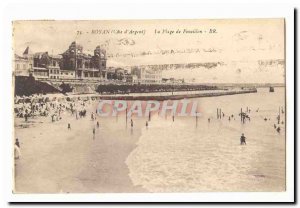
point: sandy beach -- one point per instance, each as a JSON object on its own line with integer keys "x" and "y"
{"x": 55, "y": 159}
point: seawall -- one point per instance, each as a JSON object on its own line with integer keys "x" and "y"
{"x": 175, "y": 97}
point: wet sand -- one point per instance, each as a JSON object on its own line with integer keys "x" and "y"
{"x": 57, "y": 160}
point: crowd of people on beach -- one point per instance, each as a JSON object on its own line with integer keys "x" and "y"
{"x": 38, "y": 105}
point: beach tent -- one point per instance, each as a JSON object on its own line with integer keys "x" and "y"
{"x": 61, "y": 99}
{"x": 19, "y": 100}
{"x": 85, "y": 98}
{"x": 27, "y": 100}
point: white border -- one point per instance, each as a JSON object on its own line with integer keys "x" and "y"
{"x": 88, "y": 11}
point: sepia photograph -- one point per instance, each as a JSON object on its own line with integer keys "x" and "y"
{"x": 149, "y": 106}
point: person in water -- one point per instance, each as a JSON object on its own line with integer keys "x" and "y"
{"x": 243, "y": 139}
{"x": 278, "y": 129}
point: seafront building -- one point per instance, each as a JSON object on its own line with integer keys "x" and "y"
{"x": 77, "y": 64}
{"x": 146, "y": 75}
{"x": 22, "y": 66}
{"x": 40, "y": 65}
{"x": 85, "y": 65}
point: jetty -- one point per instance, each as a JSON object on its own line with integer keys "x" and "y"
{"x": 158, "y": 96}
{"x": 176, "y": 95}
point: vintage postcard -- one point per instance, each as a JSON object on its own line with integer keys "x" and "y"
{"x": 149, "y": 106}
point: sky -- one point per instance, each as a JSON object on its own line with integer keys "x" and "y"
{"x": 137, "y": 42}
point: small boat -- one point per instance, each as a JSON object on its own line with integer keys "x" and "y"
{"x": 271, "y": 89}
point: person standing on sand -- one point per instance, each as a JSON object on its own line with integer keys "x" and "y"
{"x": 69, "y": 126}
{"x": 17, "y": 148}
{"x": 26, "y": 117}
{"x": 94, "y": 131}
{"x": 92, "y": 116}
{"x": 17, "y": 143}
{"x": 146, "y": 124}
{"x": 243, "y": 139}
{"x": 98, "y": 124}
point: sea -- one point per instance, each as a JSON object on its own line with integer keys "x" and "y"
{"x": 204, "y": 154}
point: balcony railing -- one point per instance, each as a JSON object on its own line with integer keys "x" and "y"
{"x": 88, "y": 69}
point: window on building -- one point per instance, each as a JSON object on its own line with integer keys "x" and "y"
{"x": 18, "y": 66}
{"x": 79, "y": 63}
